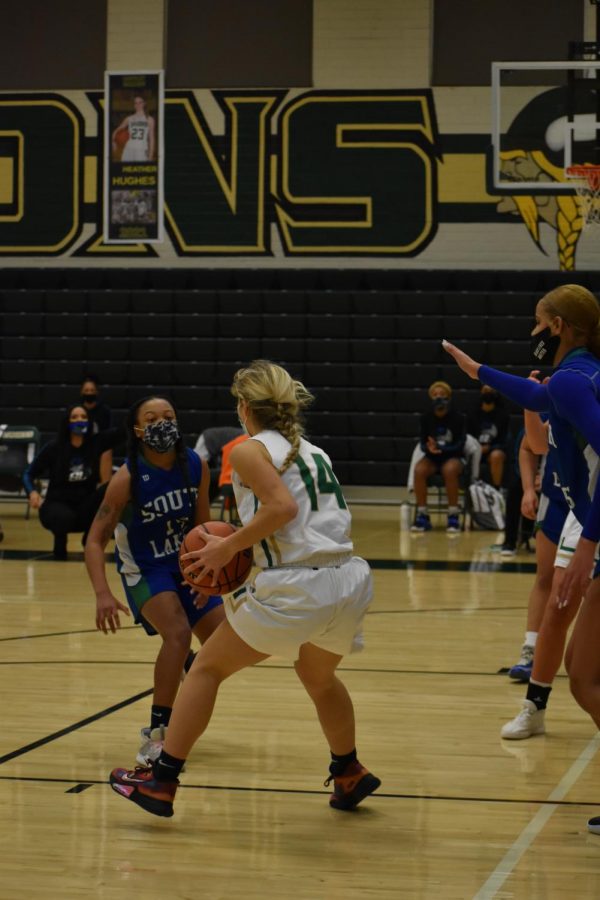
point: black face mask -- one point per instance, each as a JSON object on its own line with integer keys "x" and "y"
{"x": 440, "y": 403}
{"x": 544, "y": 345}
{"x": 89, "y": 398}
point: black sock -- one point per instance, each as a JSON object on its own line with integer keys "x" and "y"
{"x": 538, "y": 694}
{"x": 160, "y": 716}
{"x": 189, "y": 660}
{"x": 60, "y": 546}
{"x": 167, "y": 768}
{"x": 339, "y": 763}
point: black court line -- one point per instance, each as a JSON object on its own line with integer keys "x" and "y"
{"x": 446, "y": 798}
{"x": 372, "y": 612}
{"x": 442, "y": 609}
{"x": 70, "y": 728}
{"x": 46, "y": 556}
{"x": 451, "y": 565}
{"x": 260, "y": 667}
{"x": 419, "y": 565}
{"x": 28, "y": 637}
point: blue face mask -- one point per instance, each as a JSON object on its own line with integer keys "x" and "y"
{"x": 440, "y": 402}
{"x": 161, "y": 436}
{"x": 79, "y": 428}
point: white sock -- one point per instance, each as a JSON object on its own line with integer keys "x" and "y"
{"x": 531, "y": 638}
{"x": 422, "y": 509}
{"x": 453, "y": 510}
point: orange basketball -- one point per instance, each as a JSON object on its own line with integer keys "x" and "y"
{"x": 121, "y": 137}
{"x": 231, "y": 576}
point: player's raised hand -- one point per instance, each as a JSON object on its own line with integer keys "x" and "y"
{"x": 466, "y": 363}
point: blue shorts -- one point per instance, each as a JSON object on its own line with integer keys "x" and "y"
{"x": 156, "y": 580}
{"x": 551, "y": 518}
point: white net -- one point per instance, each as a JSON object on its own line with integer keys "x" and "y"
{"x": 586, "y": 181}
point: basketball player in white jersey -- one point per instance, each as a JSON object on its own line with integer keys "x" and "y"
{"x": 141, "y": 129}
{"x": 307, "y": 603}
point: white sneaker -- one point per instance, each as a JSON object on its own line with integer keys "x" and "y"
{"x": 152, "y": 743}
{"x": 530, "y": 721}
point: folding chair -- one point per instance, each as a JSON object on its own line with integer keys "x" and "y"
{"x": 18, "y": 447}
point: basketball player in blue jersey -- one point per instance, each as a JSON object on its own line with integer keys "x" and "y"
{"x": 141, "y": 130}
{"x": 307, "y": 603}
{"x": 547, "y": 625}
{"x": 156, "y": 496}
{"x": 567, "y": 335}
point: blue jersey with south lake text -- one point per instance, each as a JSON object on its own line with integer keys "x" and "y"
{"x": 150, "y": 531}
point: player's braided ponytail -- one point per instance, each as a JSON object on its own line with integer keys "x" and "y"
{"x": 276, "y": 401}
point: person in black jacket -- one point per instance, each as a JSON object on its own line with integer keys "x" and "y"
{"x": 72, "y": 462}
{"x": 98, "y": 412}
{"x": 489, "y": 424}
{"x": 443, "y": 433}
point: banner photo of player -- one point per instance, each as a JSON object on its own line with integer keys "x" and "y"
{"x": 133, "y": 157}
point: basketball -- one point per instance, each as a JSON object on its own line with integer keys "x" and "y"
{"x": 231, "y": 576}
{"x": 121, "y": 137}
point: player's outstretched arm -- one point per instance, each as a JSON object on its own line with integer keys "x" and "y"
{"x": 466, "y": 363}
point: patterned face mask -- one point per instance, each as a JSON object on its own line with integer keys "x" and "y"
{"x": 161, "y": 436}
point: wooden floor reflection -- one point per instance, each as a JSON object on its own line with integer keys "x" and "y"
{"x": 460, "y": 813}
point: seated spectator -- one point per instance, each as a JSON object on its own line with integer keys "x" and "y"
{"x": 99, "y": 413}
{"x": 443, "y": 434}
{"x": 73, "y": 464}
{"x": 209, "y": 447}
{"x": 100, "y": 417}
{"x": 489, "y": 423}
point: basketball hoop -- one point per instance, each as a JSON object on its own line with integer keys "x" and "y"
{"x": 586, "y": 181}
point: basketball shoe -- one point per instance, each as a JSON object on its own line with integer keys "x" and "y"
{"x": 152, "y": 743}
{"x": 594, "y": 825}
{"x": 453, "y": 526}
{"x": 530, "y": 721}
{"x": 421, "y": 523}
{"x": 521, "y": 671}
{"x": 353, "y": 786}
{"x": 140, "y": 786}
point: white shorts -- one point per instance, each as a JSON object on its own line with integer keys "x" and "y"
{"x": 283, "y": 608}
{"x": 569, "y": 538}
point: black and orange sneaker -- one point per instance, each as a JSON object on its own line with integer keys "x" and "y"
{"x": 140, "y": 786}
{"x": 353, "y": 786}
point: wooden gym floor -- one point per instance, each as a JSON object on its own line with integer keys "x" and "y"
{"x": 460, "y": 814}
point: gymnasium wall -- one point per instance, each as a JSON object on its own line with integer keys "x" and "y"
{"x": 371, "y": 167}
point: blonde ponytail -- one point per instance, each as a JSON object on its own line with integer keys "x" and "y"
{"x": 276, "y": 401}
{"x": 579, "y": 308}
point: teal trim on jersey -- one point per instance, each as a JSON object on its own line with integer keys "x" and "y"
{"x": 563, "y": 546}
{"x": 308, "y": 480}
{"x": 265, "y": 547}
{"x": 263, "y": 543}
{"x": 141, "y": 593}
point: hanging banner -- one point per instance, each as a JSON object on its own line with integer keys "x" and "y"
{"x": 133, "y": 157}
